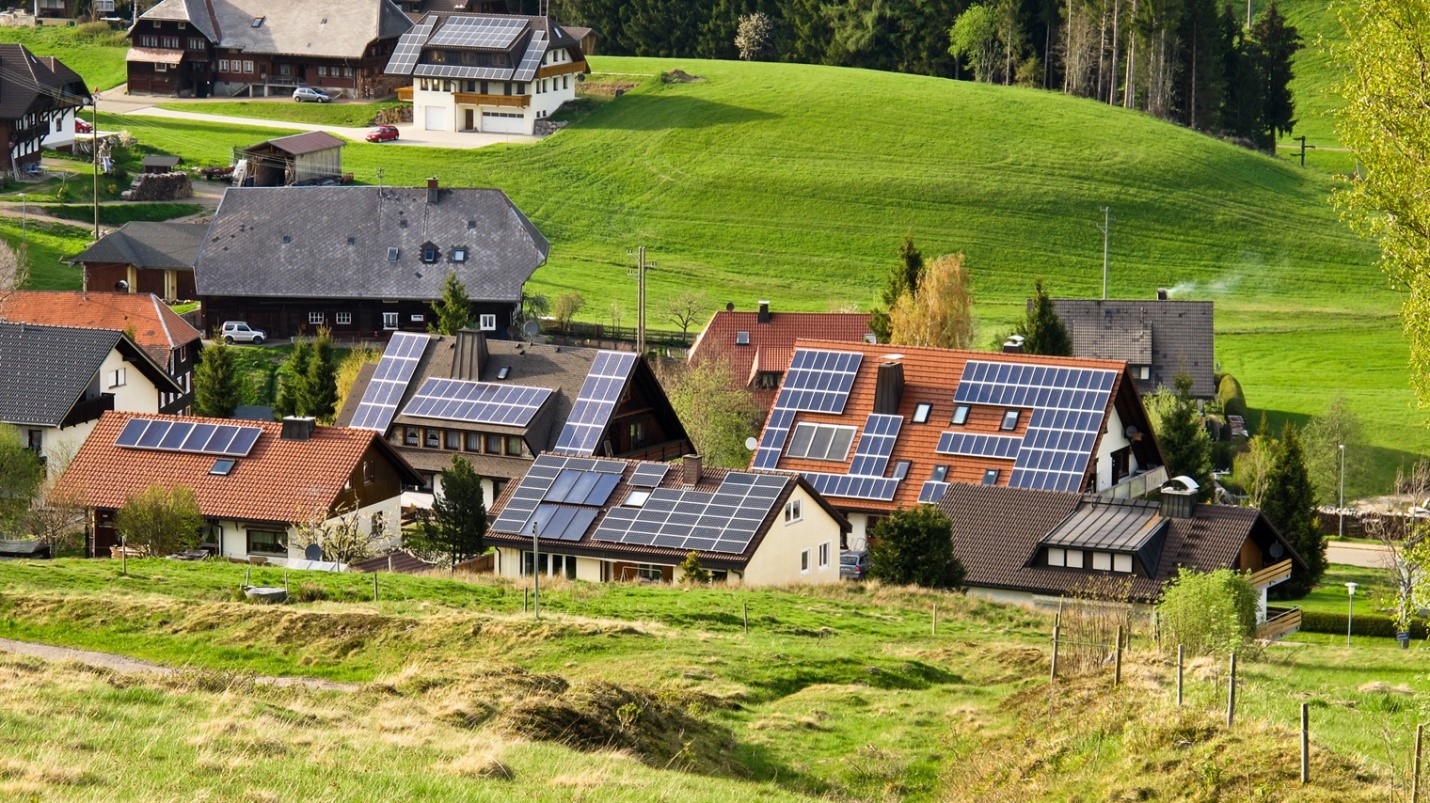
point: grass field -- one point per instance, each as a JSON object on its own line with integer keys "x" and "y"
{"x": 99, "y": 59}
{"x": 350, "y": 115}
{"x": 119, "y": 214}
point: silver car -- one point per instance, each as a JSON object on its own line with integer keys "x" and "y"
{"x": 307, "y": 93}
{"x": 240, "y": 332}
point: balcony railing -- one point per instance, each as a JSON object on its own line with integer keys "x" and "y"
{"x": 1138, "y": 485}
{"x": 1271, "y": 575}
{"x": 404, "y": 93}
{"x": 1279, "y": 623}
{"x": 477, "y": 99}
{"x": 89, "y": 410}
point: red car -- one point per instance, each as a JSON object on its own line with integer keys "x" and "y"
{"x": 383, "y": 133}
{"x": 81, "y": 127}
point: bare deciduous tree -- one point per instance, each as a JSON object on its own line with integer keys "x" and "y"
{"x": 685, "y": 308}
{"x": 755, "y": 36}
{"x": 14, "y": 270}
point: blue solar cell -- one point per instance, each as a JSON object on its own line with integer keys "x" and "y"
{"x": 389, "y": 381}
{"x": 649, "y": 475}
{"x": 154, "y": 434}
{"x": 592, "y": 410}
{"x": 133, "y": 429}
{"x": 932, "y": 492}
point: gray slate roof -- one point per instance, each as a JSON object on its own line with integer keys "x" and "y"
{"x": 290, "y": 28}
{"x": 538, "y": 36}
{"x": 45, "y": 370}
{"x": 194, "y": 12}
{"x": 26, "y": 79}
{"x": 149, "y": 245}
{"x": 339, "y": 239}
{"x": 1181, "y": 338}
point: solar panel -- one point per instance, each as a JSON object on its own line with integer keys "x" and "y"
{"x": 817, "y": 381}
{"x": 552, "y": 481}
{"x": 462, "y": 71}
{"x": 875, "y": 445}
{"x": 409, "y": 47}
{"x": 488, "y": 33}
{"x": 597, "y": 400}
{"x": 932, "y": 492}
{"x": 229, "y": 440}
{"x": 969, "y": 444}
{"x": 531, "y": 59}
{"x": 384, "y": 391}
{"x": 477, "y": 402}
{"x": 876, "y": 488}
{"x": 723, "y": 521}
{"x": 649, "y": 475}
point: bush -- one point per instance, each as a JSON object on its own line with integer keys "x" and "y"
{"x": 914, "y": 546}
{"x": 310, "y": 592}
{"x": 1364, "y": 624}
{"x": 1229, "y": 393}
{"x": 692, "y": 573}
{"x": 1212, "y": 612}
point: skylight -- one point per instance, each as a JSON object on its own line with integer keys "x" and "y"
{"x": 742, "y": 338}
{"x": 459, "y": 255}
{"x": 257, "y": 21}
{"x": 921, "y": 413}
{"x": 223, "y": 466}
{"x": 504, "y": 372}
{"x": 392, "y": 254}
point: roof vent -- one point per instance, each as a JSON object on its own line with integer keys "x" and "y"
{"x": 287, "y": 238}
{"x": 1013, "y": 345}
{"x": 392, "y": 252}
{"x": 434, "y": 193}
{"x": 258, "y": 21}
{"x": 297, "y": 428}
{"x": 742, "y": 338}
{"x": 352, "y": 240}
{"x": 764, "y": 316}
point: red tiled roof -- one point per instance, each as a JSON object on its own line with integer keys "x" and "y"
{"x": 279, "y": 481}
{"x": 772, "y": 343}
{"x": 931, "y": 376}
{"x": 157, "y": 329}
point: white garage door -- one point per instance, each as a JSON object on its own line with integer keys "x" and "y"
{"x": 503, "y": 123}
{"x": 436, "y": 118}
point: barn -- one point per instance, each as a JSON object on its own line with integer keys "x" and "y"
{"x": 311, "y": 158}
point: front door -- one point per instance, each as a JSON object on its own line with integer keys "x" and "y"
{"x": 471, "y": 120}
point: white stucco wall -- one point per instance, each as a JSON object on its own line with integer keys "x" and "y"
{"x": 138, "y": 394}
{"x": 858, "y": 538}
{"x": 777, "y": 560}
{"x": 61, "y": 131}
{"x": 233, "y": 542}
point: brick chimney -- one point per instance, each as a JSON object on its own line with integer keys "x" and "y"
{"x": 764, "y": 316}
{"x": 297, "y": 428}
{"x": 888, "y": 388}
{"x": 434, "y": 194}
{"x": 690, "y": 465}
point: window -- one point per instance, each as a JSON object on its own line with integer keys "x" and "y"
{"x": 487, "y": 322}
{"x": 939, "y": 474}
{"x": 172, "y": 42}
{"x": 222, "y": 467}
{"x": 804, "y": 562}
{"x": 430, "y": 253}
{"x": 1102, "y": 561}
{"x": 921, "y": 413}
{"x": 195, "y": 43}
{"x": 454, "y": 439}
{"x": 161, "y": 68}
{"x": 389, "y": 320}
{"x": 901, "y": 469}
{"x": 315, "y": 318}
{"x": 1056, "y": 556}
{"x": 742, "y": 338}
{"x": 434, "y": 438}
{"x": 474, "y": 442}
{"x": 824, "y": 556}
{"x": 322, "y": 72}
{"x": 148, "y": 41}
{"x": 347, "y": 72}
{"x": 411, "y": 436}
{"x": 1144, "y": 372}
{"x": 960, "y": 415}
{"x": 493, "y": 444}
{"x": 768, "y": 380}
{"x": 418, "y": 317}
{"x": 1074, "y": 558}
{"x": 268, "y": 542}
{"x": 1010, "y": 420}
{"x": 117, "y": 377}
{"x": 459, "y": 255}
{"x": 504, "y": 372}
{"x": 649, "y": 573}
{"x": 223, "y": 65}
{"x": 821, "y": 442}
{"x": 637, "y": 432}
{"x": 793, "y": 513}
{"x": 369, "y": 472}
{"x": 565, "y": 82}
{"x": 248, "y": 67}
{"x": 514, "y": 445}
{"x": 1122, "y": 563}
{"x": 990, "y": 476}
{"x": 343, "y": 318}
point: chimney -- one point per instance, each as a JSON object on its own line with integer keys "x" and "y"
{"x": 690, "y": 465}
{"x": 297, "y": 428}
{"x": 1163, "y": 293}
{"x": 471, "y": 355}
{"x": 889, "y": 388}
{"x": 1178, "y": 503}
{"x": 764, "y": 316}
{"x": 1013, "y": 345}
{"x": 433, "y": 193}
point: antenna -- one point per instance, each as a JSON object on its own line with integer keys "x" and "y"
{"x": 1106, "y": 228}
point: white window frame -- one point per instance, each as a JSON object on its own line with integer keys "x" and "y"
{"x": 794, "y": 512}
{"x": 1010, "y": 420}
{"x": 1122, "y": 562}
{"x": 824, "y": 556}
{"x": 804, "y": 562}
{"x": 343, "y": 318}
{"x": 1057, "y": 556}
{"x": 1102, "y": 561}
{"x": 315, "y": 319}
{"x": 487, "y": 322}
{"x": 390, "y": 320}
{"x": 1075, "y": 559}
{"x": 118, "y": 378}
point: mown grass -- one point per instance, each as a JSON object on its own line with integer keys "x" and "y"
{"x": 347, "y": 115}
{"x": 48, "y": 245}
{"x": 97, "y": 58}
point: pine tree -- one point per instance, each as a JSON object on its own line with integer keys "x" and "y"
{"x": 1185, "y": 444}
{"x": 914, "y": 546}
{"x": 293, "y": 381}
{"x": 1042, "y": 330}
{"x": 321, "y": 388}
{"x": 903, "y": 279}
{"x": 1276, "y": 45}
{"x": 453, "y": 309}
{"x": 216, "y": 385}
{"x": 1290, "y": 506}
{"x": 458, "y": 523}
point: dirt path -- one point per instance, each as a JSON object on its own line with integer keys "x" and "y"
{"x": 120, "y": 663}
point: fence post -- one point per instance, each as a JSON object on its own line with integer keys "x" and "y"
{"x": 1415, "y": 772}
{"x": 525, "y": 599}
{"x": 1306, "y": 745}
{"x": 1117, "y": 659}
{"x": 1231, "y": 694}
{"x": 933, "y": 627}
{"x": 745, "y": 614}
{"x": 374, "y": 586}
{"x": 1056, "y": 632}
{"x": 1179, "y": 675}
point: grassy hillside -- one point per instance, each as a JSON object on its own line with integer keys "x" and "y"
{"x": 625, "y": 692}
{"x": 97, "y": 57}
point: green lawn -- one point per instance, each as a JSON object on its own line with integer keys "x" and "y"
{"x": 1316, "y": 75}
{"x": 349, "y": 115}
{"x": 48, "y": 245}
{"x": 117, "y": 214}
{"x": 99, "y": 60}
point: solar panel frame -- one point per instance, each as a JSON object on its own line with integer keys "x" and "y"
{"x": 686, "y": 519}
{"x": 487, "y": 33}
{"x": 531, "y": 59}
{"x": 596, "y": 402}
{"x": 409, "y": 47}
{"x": 188, "y": 437}
{"x": 818, "y": 380}
{"x": 476, "y": 402}
{"x": 389, "y": 381}
{"x": 649, "y": 475}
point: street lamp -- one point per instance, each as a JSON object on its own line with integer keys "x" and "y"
{"x": 1350, "y": 609}
{"x": 1341, "y": 510}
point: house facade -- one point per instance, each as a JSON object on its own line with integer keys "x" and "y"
{"x": 263, "y": 47}
{"x": 166, "y": 337}
{"x": 607, "y": 520}
{"x": 363, "y": 261}
{"x": 1158, "y": 339}
{"x": 490, "y": 73}
{"x": 260, "y": 490}
{"x": 38, "y": 99}
{"x": 144, "y": 258}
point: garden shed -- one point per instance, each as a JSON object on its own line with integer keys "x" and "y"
{"x": 315, "y": 157}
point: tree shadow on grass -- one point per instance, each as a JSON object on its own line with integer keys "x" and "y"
{"x": 660, "y": 112}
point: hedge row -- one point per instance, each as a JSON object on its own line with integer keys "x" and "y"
{"x": 1364, "y": 624}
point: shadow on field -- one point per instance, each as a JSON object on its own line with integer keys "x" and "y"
{"x": 659, "y": 112}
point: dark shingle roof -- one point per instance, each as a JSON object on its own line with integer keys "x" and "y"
{"x": 338, "y": 241}
{"x": 197, "y": 13}
{"x": 1180, "y": 333}
{"x": 45, "y": 370}
{"x": 299, "y": 144}
{"x": 26, "y": 79}
{"x": 170, "y": 246}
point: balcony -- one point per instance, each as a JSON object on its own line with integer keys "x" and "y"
{"x": 1137, "y": 486}
{"x": 1271, "y": 575}
{"x": 1280, "y": 622}
{"x": 89, "y": 410}
{"x": 562, "y": 69}
{"x": 477, "y": 99}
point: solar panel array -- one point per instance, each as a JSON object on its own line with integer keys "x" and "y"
{"x": 188, "y": 436}
{"x": 818, "y": 381}
{"x": 559, "y": 497}
{"x": 466, "y": 71}
{"x": 389, "y": 381}
{"x": 1068, "y": 405}
{"x": 489, "y": 33}
{"x": 531, "y": 59}
{"x": 850, "y": 487}
{"x": 724, "y": 521}
{"x": 649, "y": 475}
{"x": 865, "y": 479}
{"x": 591, "y": 412}
{"x": 968, "y": 444}
{"x": 409, "y": 47}
{"x": 477, "y": 402}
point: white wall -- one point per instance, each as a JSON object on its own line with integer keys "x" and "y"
{"x": 234, "y": 540}
{"x": 138, "y": 394}
{"x": 65, "y": 135}
{"x": 859, "y": 533}
{"x": 777, "y": 560}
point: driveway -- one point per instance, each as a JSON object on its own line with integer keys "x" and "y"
{"x": 1350, "y": 553}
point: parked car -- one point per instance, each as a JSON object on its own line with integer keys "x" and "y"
{"x": 383, "y": 133}
{"x": 853, "y": 564}
{"x": 81, "y": 127}
{"x": 304, "y": 94}
{"x": 239, "y": 332}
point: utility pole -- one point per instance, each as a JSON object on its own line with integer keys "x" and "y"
{"x": 536, "y": 569}
{"x": 1106, "y": 228}
{"x": 1341, "y": 508}
{"x": 641, "y": 267}
{"x": 1248, "y": 14}
{"x": 94, "y": 153}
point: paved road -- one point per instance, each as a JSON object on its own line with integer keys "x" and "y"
{"x": 1372, "y": 556}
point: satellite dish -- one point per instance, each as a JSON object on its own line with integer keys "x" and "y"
{"x": 531, "y": 329}
{"x": 581, "y": 77}
{"x": 313, "y": 552}
{"x": 1131, "y": 432}
{"x": 122, "y": 286}
{"x": 751, "y": 443}
{"x": 1277, "y": 550}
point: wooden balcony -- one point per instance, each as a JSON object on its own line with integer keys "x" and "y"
{"x": 562, "y": 69}
{"x": 477, "y": 99}
{"x": 1279, "y": 623}
{"x": 404, "y": 93}
{"x": 1271, "y": 575}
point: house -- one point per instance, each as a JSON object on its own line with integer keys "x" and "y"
{"x": 256, "y": 484}
{"x": 1158, "y": 339}
{"x": 499, "y": 403}
{"x": 263, "y": 47}
{"x": 363, "y": 260}
{"x": 309, "y": 158}
{"x": 143, "y": 257}
{"x": 877, "y": 427}
{"x": 632, "y": 520}
{"x": 757, "y": 345}
{"x": 38, "y": 100}
{"x": 493, "y": 73}
{"x": 56, "y": 381}
{"x": 1036, "y": 547}
{"x": 166, "y": 337}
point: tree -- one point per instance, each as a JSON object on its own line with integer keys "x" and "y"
{"x": 685, "y": 308}
{"x": 903, "y": 278}
{"x": 691, "y": 572}
{"x": 1405, "y": 538}
{"x": 1384, "y": 123}
{"x": 14, "y": 270}
{"x": 567, "y": 305}
{"x": 344, "y": 537}
{"x": 321, "y": 391}
{"x": 974, "y": 39}
{"x": 939, "y": 312}
{"x": 1276, "y": 43}
{"x": 293, "y": 380}
{"x": 458, "y": 523}
{"x": 914, "y": 546}
{"x": 1253, "y": 466}
{"x": 1185, "y": 444}
{"x": 349, "y": 368}
{"x": 1042, "y": 330}
{"x": 1207, "y": 612}
{"x": 1231, "y": 396}
{"x": 217, "y": 386}
{"x": 754, "y": 38}
{"x": 1290, "y": 506}
{"x": 161, "y": 520}
{"x": 453, "y": 309}
{"x": 1323, "y": 437}
{"x": 718, "y": 414}
{"x": 21, "y": 475}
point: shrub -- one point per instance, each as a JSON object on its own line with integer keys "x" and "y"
{"x": 1211, "y": 612}
{"x": 914, "y": 546}
{"x": 692, "y": 572}
{"x": 1229, "y": 393}
{"x": 310, "y": 592}
{"x": 1363, "y": 624}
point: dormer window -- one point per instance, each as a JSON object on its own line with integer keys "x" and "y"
{"x": 430, "y": 253}
{"x": 459, "y": 255}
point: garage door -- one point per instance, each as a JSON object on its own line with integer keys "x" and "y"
{"x": 503, "y": 123}
{"x": 436, "y": 119}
